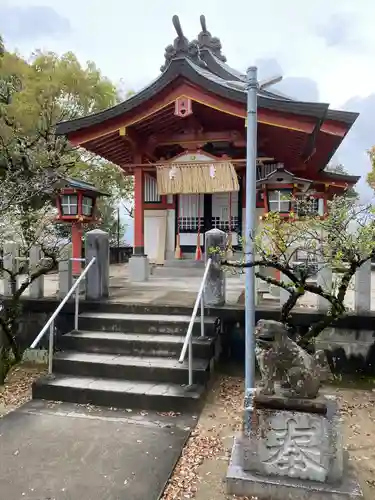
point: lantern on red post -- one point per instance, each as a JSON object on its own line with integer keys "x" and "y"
{"x": 76, "y": 204}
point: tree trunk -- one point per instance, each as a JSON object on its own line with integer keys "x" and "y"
{"x": 2, "y": 366}
{"x": 288, "y": 306}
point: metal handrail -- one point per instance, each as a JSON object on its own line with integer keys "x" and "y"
{"x": 51, "y": 322}
{"x": 188, "y": 343}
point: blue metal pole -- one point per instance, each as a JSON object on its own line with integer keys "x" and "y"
{"x": 251, "y": 156}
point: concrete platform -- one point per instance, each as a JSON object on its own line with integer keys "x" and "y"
{"x": 166, "y": 285}
{"x": 243, "y": 483}
{"x": 177, "y": 285}
{"x": 68, "y": 452}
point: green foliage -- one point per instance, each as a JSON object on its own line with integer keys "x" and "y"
{"x": 34, "y": 96}
{"x": 371, "y": 175}
{"x": 109, "y": 179}
{"x": 106, "y": 176}
{"x": 343, "y": 240}
{"x": 73, "y": 91}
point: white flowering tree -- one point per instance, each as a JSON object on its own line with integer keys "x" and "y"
{"x": 37, "y": 230}
{"x": 35, "y": 94}
{"x": 342, "y": 241}
{"x": 31, "y": 162}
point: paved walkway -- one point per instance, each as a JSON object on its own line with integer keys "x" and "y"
{"x": 57, "y": 451}
{"x": 171, "y": 286}
{"x": 165, "y": 286}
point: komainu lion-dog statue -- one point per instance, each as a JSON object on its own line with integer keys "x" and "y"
{"x": 282, "y": 360}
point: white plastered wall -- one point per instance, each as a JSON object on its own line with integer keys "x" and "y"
{"x": 159, "y": 233}
{"x": 155, "y": 235}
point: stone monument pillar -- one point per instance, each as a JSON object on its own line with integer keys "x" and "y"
{"x": 214, "y": 290}
{"x": 362, "y": 291}
{"x": 65, "y": 271}
{"x": 65, "y": 277}
{"x": 97, "y": 277}
{"x": 283, "y": 294}
{"x": 37, "y": 286}
{"x": 292, "y": 447}
{"x": 324, "y": 279}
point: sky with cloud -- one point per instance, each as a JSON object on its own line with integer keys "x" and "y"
{"x": 325, "y": 49}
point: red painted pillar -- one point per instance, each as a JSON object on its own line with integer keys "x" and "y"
{"x": 138, "y": 212}
{"x": 77, "y": 247}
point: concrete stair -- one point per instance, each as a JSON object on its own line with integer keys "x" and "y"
{"x": 185, "y": 263}
{"x": 130, "y": 361}
{"x": 180, "y": 268}
{"x": 135, "y": 344}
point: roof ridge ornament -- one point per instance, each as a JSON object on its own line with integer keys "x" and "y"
{"x": 207, "y": 41}
{"x": 181, "y": 47}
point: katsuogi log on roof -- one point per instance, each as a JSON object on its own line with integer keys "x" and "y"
{"x": 302, "y": 135}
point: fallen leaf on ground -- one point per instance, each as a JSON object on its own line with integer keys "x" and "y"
{"x": 17, "y": 388}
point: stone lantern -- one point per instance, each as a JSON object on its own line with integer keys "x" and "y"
{"x": 278, "y": 187}
{"x": 76, "y": 205}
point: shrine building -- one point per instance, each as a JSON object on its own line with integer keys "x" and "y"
{"x": 183, "y": 138}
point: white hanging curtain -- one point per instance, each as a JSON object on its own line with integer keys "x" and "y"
{"x": 193, "y": 178}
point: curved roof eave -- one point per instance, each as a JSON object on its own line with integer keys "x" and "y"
{"x": 352, "y": 179}
{"x": 220, "y": 68}
{"x": 347, "y": 117}
{"x": 223, "y": 70}
{"x": 207, "y": 80}
{"x": 285, "y": 171}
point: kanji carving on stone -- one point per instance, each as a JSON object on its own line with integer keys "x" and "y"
{"x": 292, "y": 447}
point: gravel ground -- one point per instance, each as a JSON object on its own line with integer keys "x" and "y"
{"x": 203, "y": 463}
{"x": 17, "y": 388}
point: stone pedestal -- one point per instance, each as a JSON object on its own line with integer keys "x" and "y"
{"x": 139, "y": 268}
{"x": 214, "y": 290}
{"x": 65, "y": 277}
{"x": 294, "y": 450}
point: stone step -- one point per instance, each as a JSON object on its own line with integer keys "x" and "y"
{"x": 143, "y": 323}
{"x": 185, "y": 273}
{"x": 119, "y": 393}
{"x": 154, "y": 369}
{"x": 129, "y": 308}
{"x": 184, "y": 263}
{"x": 137, "y": 344}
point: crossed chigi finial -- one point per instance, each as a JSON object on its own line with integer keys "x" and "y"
{"x": 177, "y": 26}
{"x": 182, "y": 47}
{"x": 203, "y": 23}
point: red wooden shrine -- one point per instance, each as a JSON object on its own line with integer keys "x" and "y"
{"x": 192, "y": 117}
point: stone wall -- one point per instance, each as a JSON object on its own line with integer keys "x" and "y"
{"x": 349, "y": 351}
{"x": 350, "y": 345}
{"x": 34, "y": 315}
